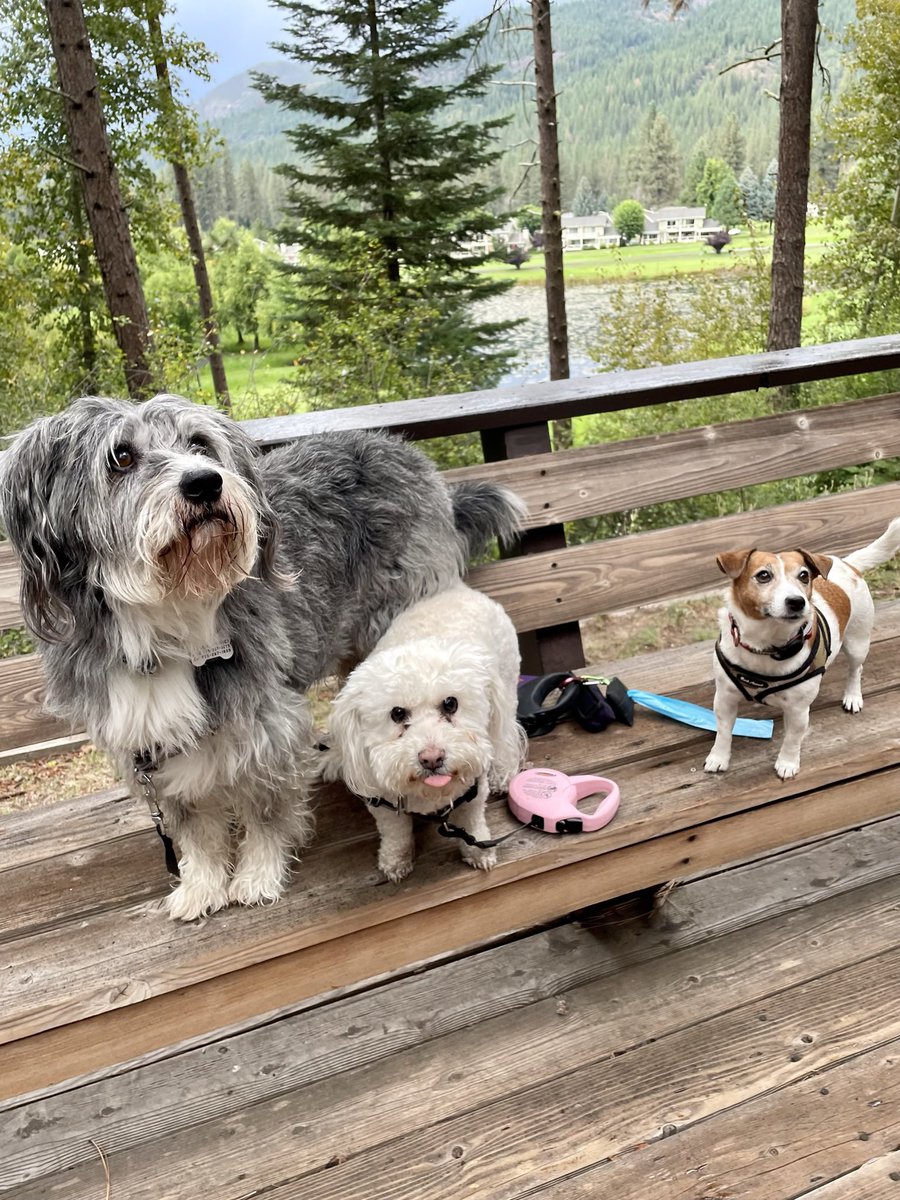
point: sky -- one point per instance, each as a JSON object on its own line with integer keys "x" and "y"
{"x": 240, "y": 32}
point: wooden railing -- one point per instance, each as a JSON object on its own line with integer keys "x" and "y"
{"x": 550, "y": 586}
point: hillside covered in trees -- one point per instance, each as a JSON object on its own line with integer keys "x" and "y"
{"x": 614, "y": 63}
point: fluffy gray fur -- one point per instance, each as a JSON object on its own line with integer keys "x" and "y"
{"x": 300, "y": 563}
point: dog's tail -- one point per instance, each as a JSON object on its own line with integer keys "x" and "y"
{"x": 880, "y": 551}
{"x": 482, "y": 511}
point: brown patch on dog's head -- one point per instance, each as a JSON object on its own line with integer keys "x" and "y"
{"x": 819, "y": 564}
{"x": 758, "y": 579}
{"x": 733, "y": 562}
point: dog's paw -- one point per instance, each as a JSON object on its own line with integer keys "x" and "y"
{"x": 395, "y": 869}
{"x": 852, "y": 702}
{"x": 245, "y": 888}
{"x": 190, "y": 901}
{"x": 786, "y": 768}
{"x": 716, "y": 762}
{"x": 481, "y": 860}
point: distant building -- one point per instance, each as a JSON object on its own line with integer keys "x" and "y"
{"x": 677, "y": 223}
{"x": 510, "y": 237}
{"x": 588, "y": 233}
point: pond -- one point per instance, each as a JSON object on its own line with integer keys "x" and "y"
{"x": 585, "y": 306}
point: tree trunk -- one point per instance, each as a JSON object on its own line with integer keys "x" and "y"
{"x": 83, "y": 258}
{"x": 189, "y": 217}
{"x": 388, "y": 241}
{"x": 551, "y": 205}
{"x": 106, "y": 214}
{"x": 799, "y": 23}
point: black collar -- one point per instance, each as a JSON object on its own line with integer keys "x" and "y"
{"x": 442, "y": 813}
{"x": 445, "y": 829}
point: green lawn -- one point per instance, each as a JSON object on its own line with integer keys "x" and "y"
{"x": 255, "y": 379}
{"x": 650, "y": 262}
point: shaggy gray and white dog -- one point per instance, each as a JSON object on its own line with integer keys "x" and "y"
{"x": 186, "y": 592}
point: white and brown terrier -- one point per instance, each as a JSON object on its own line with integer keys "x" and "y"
{"x": 786, "y": 617}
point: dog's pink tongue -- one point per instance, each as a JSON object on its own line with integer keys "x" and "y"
{"x": 437, "y": 780}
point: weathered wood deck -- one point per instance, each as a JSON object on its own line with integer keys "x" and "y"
{"x": 458, "y": 1034}
{"x": 743, "y": 1043}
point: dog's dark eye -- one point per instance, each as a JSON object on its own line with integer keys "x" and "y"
{"x": 199, "y": 445}
{"x": 763, "y": 576}
{"x": 399, "y": 715}
{"x": 803, "y": 576}
{"x": 449, "y": 706}
{"x": 122, "y": 457}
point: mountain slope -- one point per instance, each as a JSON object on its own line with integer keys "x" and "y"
{"x": 613, "y": 60}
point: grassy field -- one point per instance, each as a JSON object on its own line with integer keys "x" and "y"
{"x": 259, "y": 381}
{"x": 626, "y": 263}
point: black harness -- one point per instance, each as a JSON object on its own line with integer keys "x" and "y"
{"x": 445, "y": 829}
{"x": 756, "y": 686}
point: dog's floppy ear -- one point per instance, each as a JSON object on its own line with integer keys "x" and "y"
{"x": 347, "y": 742}
{"x": 28, "y": 512}
{"x": 508, "y": 738}
{"x": 732, "y": 562}
{"x": 246, "y": 457}
{"x": 819, "y": 564}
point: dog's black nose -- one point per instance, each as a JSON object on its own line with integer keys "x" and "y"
{"x": 795, "y": 604}
{"x": 203, "y": 487}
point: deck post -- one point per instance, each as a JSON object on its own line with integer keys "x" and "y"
{"x": 555, "y": 647}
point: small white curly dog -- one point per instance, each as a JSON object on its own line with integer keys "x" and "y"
{"x": 427, "y": 724}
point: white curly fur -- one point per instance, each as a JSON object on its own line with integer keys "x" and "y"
{"x": 459, "y": 644}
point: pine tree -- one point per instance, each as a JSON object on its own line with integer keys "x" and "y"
{"x": 733, "y": 146}
{"x": 384, "y": 162}
{"x": 660, "y": 165}
{"x": 585, "y": 202}
{"x": 694, "y": 174}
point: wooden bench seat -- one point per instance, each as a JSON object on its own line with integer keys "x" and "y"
{"x": 97, "y": 984}
{"x": 97, "y": 973}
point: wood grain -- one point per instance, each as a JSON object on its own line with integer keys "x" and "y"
{"x": 10, "y": 608}
{"x": 197, "y": 1086}
{"x": 594, "y": 1106}
{"x": 22, "y": 719}
{"x": 500, "y": 408}
{"x": 120, "y": 1033}
{"x": 619, "y": 476}
{"x": 667, "y": 563}
{"x": 360, "y": 1106}
{"x": 774, "y": 1147}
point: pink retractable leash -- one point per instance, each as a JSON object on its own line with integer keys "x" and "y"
{"x": 547, "y": 799}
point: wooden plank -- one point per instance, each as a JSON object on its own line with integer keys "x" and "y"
{"x": 22, "y": 720}
{"x": 116, "y": 1034}
{"x": 875, "y": 1180}
{"x": 815, "y": 1138}
{"x": 517, "y": 1103}
{"x": 667, "y": 563}
{"x": 532, "y": 403}
{"x": 315, "y": 1064}
{"x": 108, "y": 868}
{"x": 616, "y": 476}
{"x": 121, "y": 871}
{"x": 662, "y": 793}
{"x": 202, "y": 1084}
{"x": 10, "y": 608}
{"x": 60, "y": 745}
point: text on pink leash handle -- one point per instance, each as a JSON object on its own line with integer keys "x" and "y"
{"x": 547, "y": 799}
